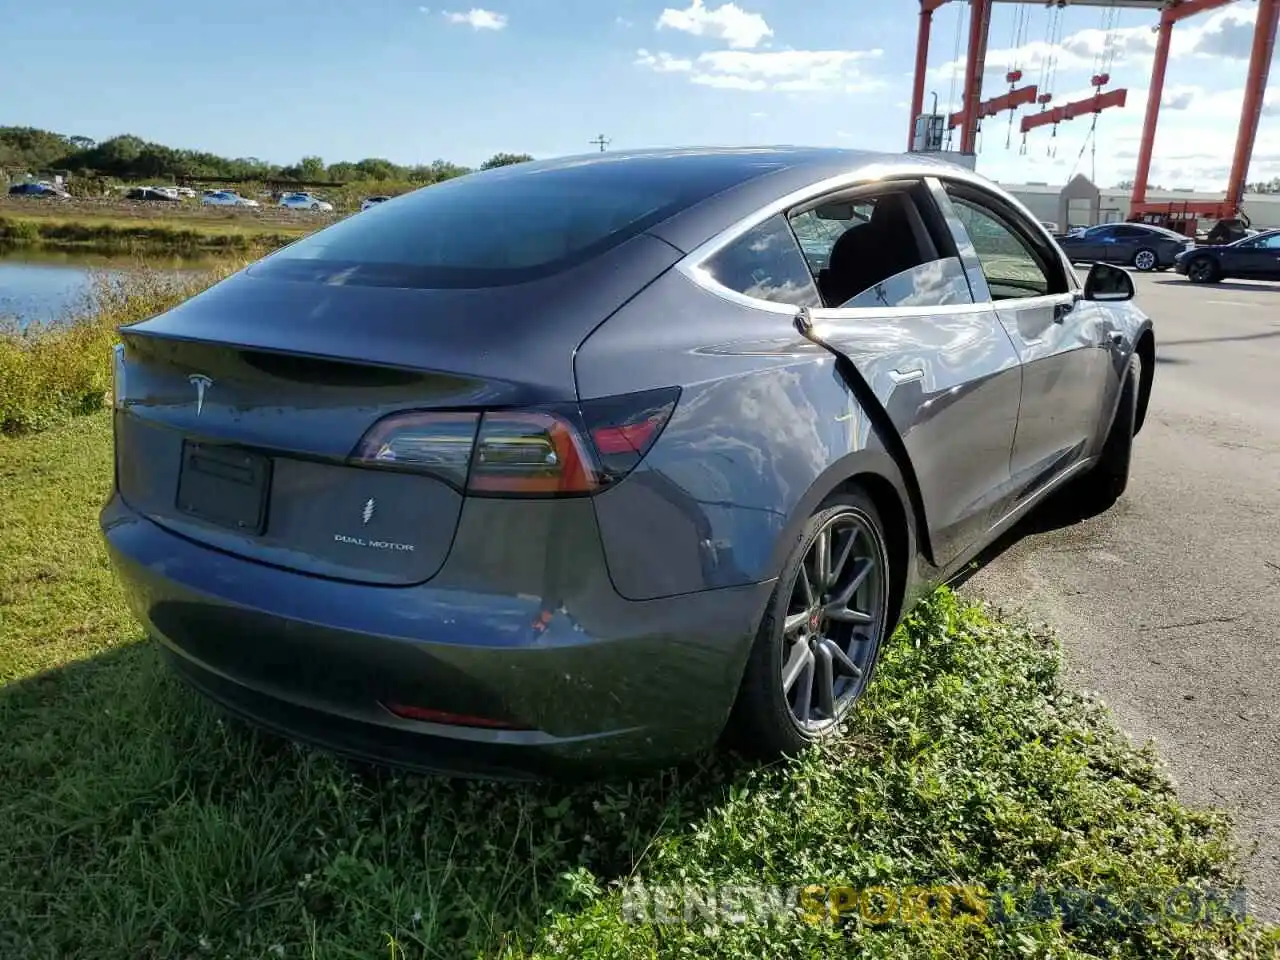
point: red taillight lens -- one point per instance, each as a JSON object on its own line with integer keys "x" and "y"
{"x": 543, "y": 452}
{"x": 623, "y": 428}
{"x": 530, "y": 451}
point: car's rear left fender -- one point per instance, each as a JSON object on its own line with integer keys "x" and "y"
{"x": 766, "y": 429}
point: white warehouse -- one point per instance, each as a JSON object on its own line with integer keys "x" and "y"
{"x": 1073, "y": 206}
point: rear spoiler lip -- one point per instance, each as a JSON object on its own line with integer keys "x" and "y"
{"x": 497, "y": 392}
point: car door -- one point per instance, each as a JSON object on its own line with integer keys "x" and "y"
{"x": 1090, "y": 245}
{"x": 1256, "y": 259}
{"x": 1124, "y": 241}
{"x": 940, "y": 365}
{"x": 1059, "y": 338}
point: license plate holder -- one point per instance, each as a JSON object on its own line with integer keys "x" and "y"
{"x": 224, "y": 485}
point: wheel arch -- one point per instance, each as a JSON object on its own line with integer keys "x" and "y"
{"x": 897, "y": 528}
{"x": 1145, "y": 348}
{"x": 875, "y": 473}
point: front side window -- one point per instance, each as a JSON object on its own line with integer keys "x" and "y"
{"x": 765, "y": 263}
{"x": 1264, "y": 243}
{"x": 1009, "y": 263}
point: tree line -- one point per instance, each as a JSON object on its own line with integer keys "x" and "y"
{"x": 127, "y": 157}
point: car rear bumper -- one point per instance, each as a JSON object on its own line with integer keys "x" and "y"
{"x": 588, "y": 682}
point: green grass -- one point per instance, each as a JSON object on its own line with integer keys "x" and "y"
{"x": 50, "y": 372}
{"x": 173, "y": 235}
{"x": 134, "y": 822}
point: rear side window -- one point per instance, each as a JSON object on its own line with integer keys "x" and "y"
{"x": 765, "y": 263}
{"x": 511, "y": 225}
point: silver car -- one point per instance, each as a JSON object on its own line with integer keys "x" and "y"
{"x": 587, "y": 462}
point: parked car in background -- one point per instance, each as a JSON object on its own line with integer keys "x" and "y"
{"x": 49, "y": 191}
{"x": 151, "y": 193}
{"x": 1251, "y": 258}
{"x": 1139, "y": 245}
{"x": 227, "y": 198}
{"x": 580, "y": 462}
{"x": 305, "y": 201}
{"x": 1051, "y": 226}
{"x": 368, "y": 202}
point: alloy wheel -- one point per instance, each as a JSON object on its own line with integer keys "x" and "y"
{"x": 1144, "y": 260}
{"x": 835, "y": 615}
{"x": 1200, "y": 271}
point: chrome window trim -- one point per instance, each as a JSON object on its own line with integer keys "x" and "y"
{"x": 692, "y": 264}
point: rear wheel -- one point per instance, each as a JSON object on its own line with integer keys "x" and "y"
{"x": 1103, "y": 485}
{"x": 821, "y": 635}
{"x": 1202, "y": 270}
{"x": 1145, "y": 259}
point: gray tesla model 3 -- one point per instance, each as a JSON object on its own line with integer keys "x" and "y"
{"x": 587, "y": 462}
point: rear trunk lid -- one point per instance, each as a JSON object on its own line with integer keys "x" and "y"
{"x": 239, "y": 410}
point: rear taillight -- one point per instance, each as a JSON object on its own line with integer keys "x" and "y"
{"x": 530, "y": 451}
{"x": 623, "y": 428}
{"x": 438, "y": 443}
{"x": 553, "y": 451}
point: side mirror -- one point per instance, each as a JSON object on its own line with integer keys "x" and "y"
{"x": 1108, "y": 283}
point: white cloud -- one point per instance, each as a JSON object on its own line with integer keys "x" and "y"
{"x": 624, "y": 22}
{"x": 478, "y": 19}
{"x": 1178, "y": 98}
{"x": 728, "y": 22}
{"x": 790, "y": 71}
{"x": 662, "y": 62}
{"x": 1225, "y": 33}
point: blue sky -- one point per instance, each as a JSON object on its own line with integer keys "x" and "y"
{"x": 416, "y": 82}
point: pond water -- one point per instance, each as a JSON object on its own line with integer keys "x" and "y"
{"x": 40, "y": 286}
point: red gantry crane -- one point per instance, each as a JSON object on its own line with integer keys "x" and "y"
{"x": 973, "y": 108}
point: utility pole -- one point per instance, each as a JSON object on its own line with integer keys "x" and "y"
{"x": 602, "y": 141}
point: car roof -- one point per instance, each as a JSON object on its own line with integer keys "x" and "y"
{"x": 751, "y": 178}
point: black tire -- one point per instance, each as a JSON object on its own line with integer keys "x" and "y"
{"x": 1105, "y": 483}
{"x": 764, "y": 723}
{"x": 1145, "y": 259}
{"x": 1203, "y": 270}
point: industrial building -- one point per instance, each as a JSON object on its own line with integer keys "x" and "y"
{"x": 1081, "y": 204}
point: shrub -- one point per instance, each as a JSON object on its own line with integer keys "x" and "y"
{"x": 52, "y": 371}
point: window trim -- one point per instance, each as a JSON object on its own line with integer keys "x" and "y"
{"x": 875, "y": 174}
{"x": 844, "y": 187}
{"x": 1028, "y": 230}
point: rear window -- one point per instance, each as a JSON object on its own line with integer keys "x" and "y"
{"x": 509, "y": 225}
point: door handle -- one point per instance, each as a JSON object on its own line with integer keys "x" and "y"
{"x": 906, "y": 376}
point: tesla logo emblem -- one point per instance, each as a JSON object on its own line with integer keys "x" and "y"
{"x": 201, "y": 383}
{"x": 367, "y": 514}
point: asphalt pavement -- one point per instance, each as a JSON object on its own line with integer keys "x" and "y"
{"x": 1168, "y": 605}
